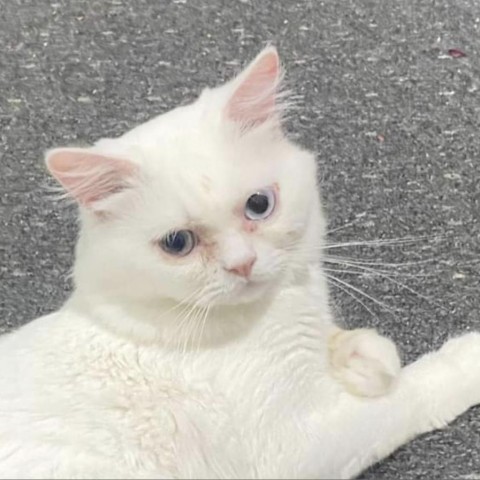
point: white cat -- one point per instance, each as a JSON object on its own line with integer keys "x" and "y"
{"x": 198, "y": 342}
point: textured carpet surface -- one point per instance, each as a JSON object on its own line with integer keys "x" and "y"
{"x": 393, "y": 116}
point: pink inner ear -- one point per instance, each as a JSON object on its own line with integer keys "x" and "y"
{"x": 87, "y": 176}
{"x": 254, "y": 100}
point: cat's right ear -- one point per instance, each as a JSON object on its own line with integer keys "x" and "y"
{"x": 88, "y": 176}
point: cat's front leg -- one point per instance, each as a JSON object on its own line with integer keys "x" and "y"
{"x": 429, "y": 394}
{"x": 365, "y": 362}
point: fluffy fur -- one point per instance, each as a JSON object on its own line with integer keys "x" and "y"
{"x": 162, "y": 366}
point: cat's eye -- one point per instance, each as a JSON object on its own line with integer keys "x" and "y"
{"x": 260, "y": 205}
{"x": 179, "y": 243}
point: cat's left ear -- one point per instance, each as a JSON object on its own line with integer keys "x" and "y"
{"x": 254, "y": 97}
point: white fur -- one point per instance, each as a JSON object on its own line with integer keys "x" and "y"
{"x": 161, "y": 367}
{"x": 365, "y": 362}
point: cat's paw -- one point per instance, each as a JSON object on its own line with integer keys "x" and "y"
{"x": 365, "y": 362}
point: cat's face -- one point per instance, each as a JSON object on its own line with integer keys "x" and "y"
{"x": 207, "y": 204}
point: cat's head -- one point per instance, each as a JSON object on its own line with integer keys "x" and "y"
{"x": 208, "y": 203}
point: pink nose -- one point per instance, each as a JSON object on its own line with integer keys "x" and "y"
{"x": 244, "y": 269}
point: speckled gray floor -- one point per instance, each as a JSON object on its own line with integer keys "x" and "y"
{"x": 394, "y": 118}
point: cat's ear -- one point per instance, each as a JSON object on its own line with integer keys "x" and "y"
{"x": 88, "y": 176}
{"x": 254, "y": 97}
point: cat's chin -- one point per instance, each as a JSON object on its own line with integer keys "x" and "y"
{"x": 249, "y": 292}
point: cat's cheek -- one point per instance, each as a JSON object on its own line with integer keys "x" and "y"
{"x": 206, "y": 248}
{"x": 291, "y": 237}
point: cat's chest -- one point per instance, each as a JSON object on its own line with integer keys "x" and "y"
{"x": 281, "y": 363}
{"x": 220, "y": 405}
{"x": 288, "y": 364}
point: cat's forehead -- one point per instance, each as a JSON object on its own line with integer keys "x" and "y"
{"x": 193, "y": 144}
{"x": 201, "y": 182}
{"x": 203, "y": 187}
{"x": 178, "y": 201}
{"x": 212, "y": 168}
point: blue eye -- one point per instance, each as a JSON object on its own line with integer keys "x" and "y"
{"x": 179, "y": 243}
{"x": 260, "y": 205}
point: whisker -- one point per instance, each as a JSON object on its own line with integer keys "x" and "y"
{"x": 186, "y": 311}
{"x": 190, "y": 323}
{"x": 327, "y": 259}
{"x": 202, "y": 329}
{"x": 353, "y": 272}
{"x": 345, "y": 290}
{"x": 179, "y": 333}
{"x": 342, "y": 227}
{"x": 411, "y": 290}
{"x": 381, "y": 264}
{"x": 194, "y": 325}
{"x": 212, "y": 294}
{"x": 375, "y": 271}
{"x": 361, "y": 292}
{"x": 181, "y": 303}
{"x": 390, "y": 242}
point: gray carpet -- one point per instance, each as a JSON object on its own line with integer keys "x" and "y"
{"x": 393, "y": 116}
